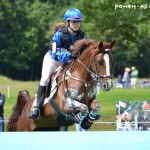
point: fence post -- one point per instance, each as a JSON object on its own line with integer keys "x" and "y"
{"x": 8, "y": 91}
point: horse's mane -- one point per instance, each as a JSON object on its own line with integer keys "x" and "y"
{"x": 80, "y": 45}
{"x": 23, "y": 98}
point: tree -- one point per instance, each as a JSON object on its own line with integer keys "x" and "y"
{"x": 25, "y": 37}
{"x": 125, "y": 21}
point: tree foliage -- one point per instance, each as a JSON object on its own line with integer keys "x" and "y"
{"x": 25, "y": 36}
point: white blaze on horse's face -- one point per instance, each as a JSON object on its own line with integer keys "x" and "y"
{"x": 107, "y": 61}
{"x": 106, "y": 58}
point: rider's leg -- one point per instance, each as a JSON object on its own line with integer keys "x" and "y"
{"x": 49, "y": 66}
{"x": 36, "y": 109}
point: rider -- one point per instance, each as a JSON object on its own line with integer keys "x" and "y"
{"x": 65, "y": 34}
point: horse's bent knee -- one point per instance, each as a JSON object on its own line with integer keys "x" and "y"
{"x": 85, "y": 110}
{"x": 97, "y": 107}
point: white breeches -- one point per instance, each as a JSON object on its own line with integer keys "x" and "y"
{"x": 133, "y": 81}
{"x": 49, "y": 66}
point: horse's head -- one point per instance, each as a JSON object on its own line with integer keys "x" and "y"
{"x": 96, "y": 58}
{"x": 23, "y": 98}
{"x": 102, "y": 63}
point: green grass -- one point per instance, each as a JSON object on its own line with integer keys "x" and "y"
{"x": 15, "y": 87}
{"x": 107, "y": 100}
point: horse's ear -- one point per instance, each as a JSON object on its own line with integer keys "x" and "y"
{"x": 112, "y": 44}
{"x": 100, "y": 44}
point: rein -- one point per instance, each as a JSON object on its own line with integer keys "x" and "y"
{"x": 93, "y": 75}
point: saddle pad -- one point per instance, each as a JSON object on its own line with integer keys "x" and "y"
{"x": 54, "y": 86}
{"x": 53, "y": 91}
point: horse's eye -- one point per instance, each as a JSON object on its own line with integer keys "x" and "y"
{"x": 100, "y": 62}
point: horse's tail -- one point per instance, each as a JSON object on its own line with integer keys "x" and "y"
{"x": 23, "y": 98}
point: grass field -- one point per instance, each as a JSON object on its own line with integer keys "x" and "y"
{"x": 107, "y": 100}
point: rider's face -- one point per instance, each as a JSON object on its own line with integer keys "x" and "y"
{"x": 75, "y": 25}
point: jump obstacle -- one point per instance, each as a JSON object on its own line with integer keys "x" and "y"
{"x": 99, "y": 140}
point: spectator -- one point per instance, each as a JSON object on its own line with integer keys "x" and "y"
{"x": 145, "y": 83}
{"x": 126, "y": 77}
{"x": 119, "y": 82}
{"x": 119, "y": 78}
{"x": 134, "y": 75}
{"x": 2, "y": 102}
{"x": 143, "y": 125}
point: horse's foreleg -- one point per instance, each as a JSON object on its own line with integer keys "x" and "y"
{"x": 88, "y": 121}
{"x": 82, "y": 114}
{"x": 95, "y": 107}
{"x": 75, "y": 106}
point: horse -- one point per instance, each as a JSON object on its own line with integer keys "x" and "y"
{"x": 73, "y": 98}
{"x": 22, "y": 99}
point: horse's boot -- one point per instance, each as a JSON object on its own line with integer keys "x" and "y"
{"x": 35, "y": 113}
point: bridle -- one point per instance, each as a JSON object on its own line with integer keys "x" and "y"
{"x": 99, "y": 79}
{"x": 94, "y": 75}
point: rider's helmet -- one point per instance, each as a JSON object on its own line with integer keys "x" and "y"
{"x": 127, "y": 69}
{"x": 133, "y": 68}
{"x": 73, "y": 14}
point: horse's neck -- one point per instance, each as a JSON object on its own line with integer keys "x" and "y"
{"x": 79, "y": 69}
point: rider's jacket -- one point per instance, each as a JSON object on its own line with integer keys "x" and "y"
{"x": 64, "y": 40}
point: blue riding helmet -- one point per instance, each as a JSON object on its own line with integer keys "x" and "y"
{"x": 73, "y": 14}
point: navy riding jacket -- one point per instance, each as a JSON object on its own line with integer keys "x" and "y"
{"x": 63, "y": 52}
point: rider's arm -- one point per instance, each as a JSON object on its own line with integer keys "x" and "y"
{"x": 61, "y": 54}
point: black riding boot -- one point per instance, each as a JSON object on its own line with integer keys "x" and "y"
{"x": 36, "y": 109}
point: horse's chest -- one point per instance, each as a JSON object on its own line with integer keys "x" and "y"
{"x": 82, "y": 92}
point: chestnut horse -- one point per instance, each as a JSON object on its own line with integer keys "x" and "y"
{"x": 75, "y": 98}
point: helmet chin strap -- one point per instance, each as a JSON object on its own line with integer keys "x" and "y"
{"x": 73, "y": 30}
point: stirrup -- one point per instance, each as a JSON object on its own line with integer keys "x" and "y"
{"x": 34, "y": 114}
